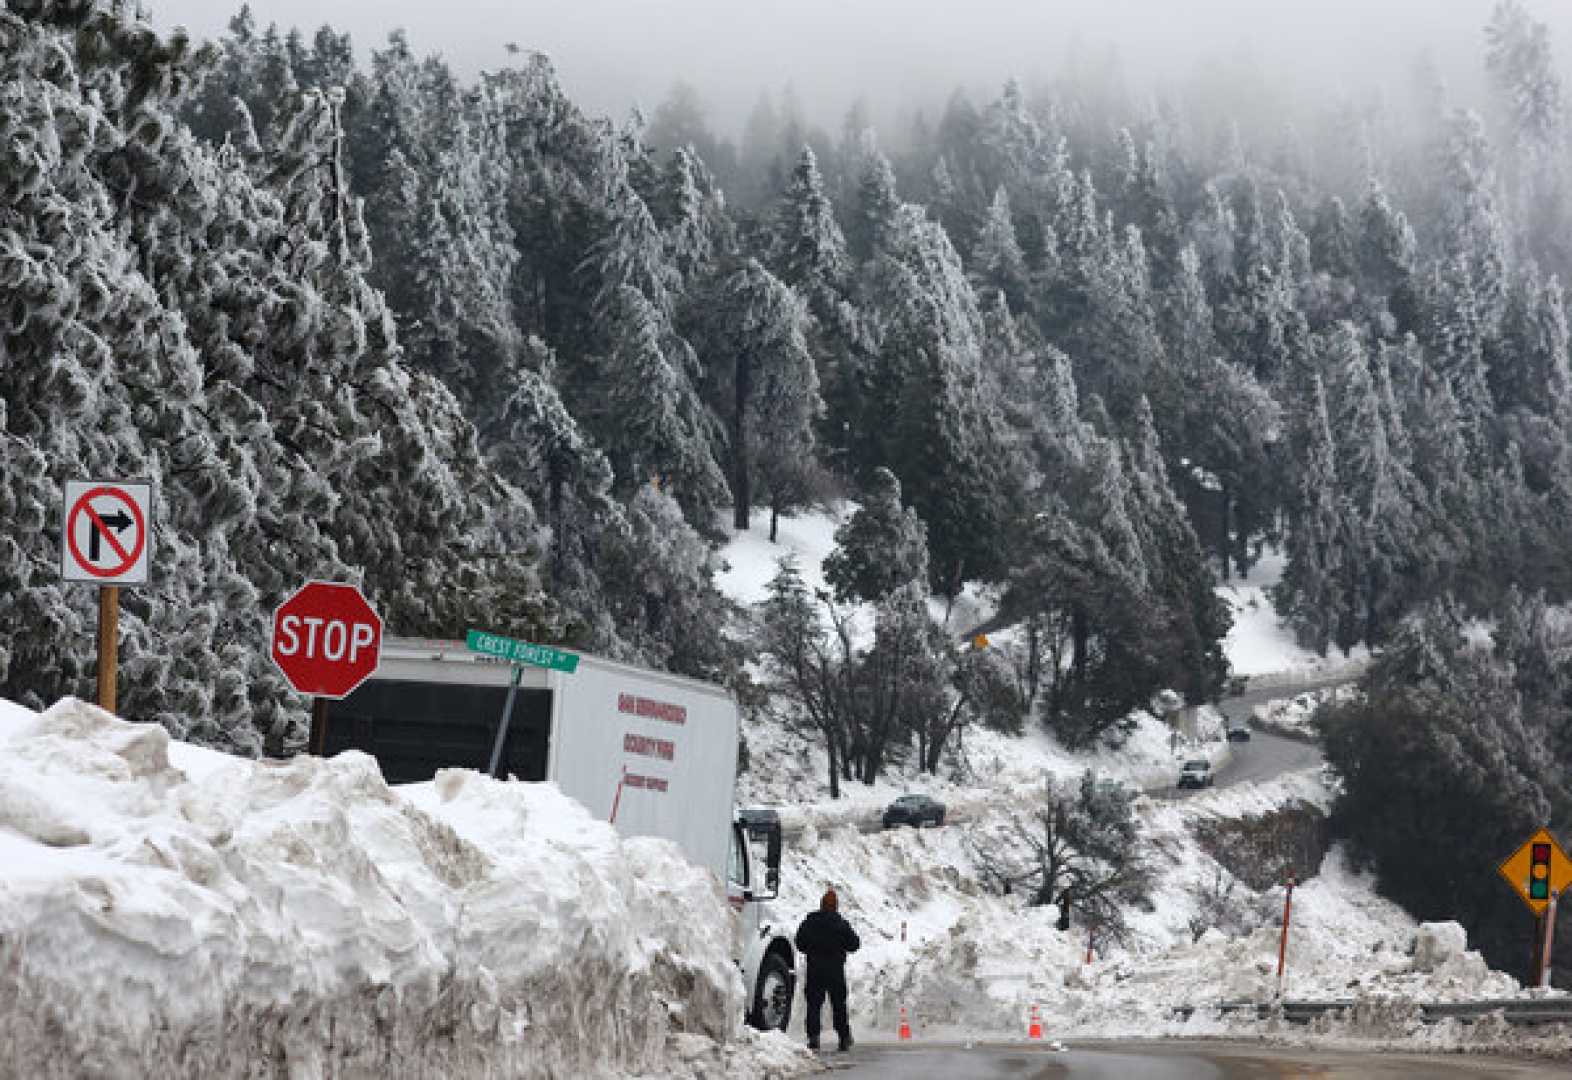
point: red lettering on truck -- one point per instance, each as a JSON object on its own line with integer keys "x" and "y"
{"x": 648, "y": 783}
{"x": 652, "y": 709}
{"x": 634, "y": 743}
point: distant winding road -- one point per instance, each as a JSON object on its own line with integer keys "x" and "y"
{"x": 1265, "y": 755}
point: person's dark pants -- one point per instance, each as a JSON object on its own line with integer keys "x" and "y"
{"x": 818, "y": 986}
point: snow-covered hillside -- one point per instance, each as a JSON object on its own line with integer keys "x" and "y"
{"x": 965, "y": 963}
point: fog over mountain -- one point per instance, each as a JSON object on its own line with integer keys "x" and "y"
{"x": 898, "y": 54}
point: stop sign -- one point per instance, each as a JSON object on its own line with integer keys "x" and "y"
{"x": 326, "y": 639}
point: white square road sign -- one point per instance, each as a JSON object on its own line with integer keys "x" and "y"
{"x": 106, "y": 534}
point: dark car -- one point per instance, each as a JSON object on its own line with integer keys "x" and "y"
{"x": 1197, "y": 773}
{"x": 1239, "y": 734}
{"x": 914, "y": 810}
{"x": 758, "y": 820}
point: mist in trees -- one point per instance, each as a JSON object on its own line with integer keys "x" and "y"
{"x": 1093, "y": 348}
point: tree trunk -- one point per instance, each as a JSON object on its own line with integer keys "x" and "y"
{"x": 775, "y": 519}
{"x": 1371, "y": 594}
{"x": 835, "y": 781}
{"x": 1080, "y": 635}
{"x": 741, "y": 479}
{"x": 1225, "y": 534}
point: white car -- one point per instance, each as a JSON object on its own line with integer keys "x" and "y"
{"x": 1197, "y": 773}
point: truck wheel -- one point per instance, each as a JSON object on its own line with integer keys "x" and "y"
{"x": 772, "y": 995}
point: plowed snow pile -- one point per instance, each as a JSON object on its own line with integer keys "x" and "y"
{"x": 170, "y": 912}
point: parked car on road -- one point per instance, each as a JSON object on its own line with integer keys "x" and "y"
{"x": 1197, "y": 773}
{"x": 915, "y": 810}
{"x": 1239, "y": 733}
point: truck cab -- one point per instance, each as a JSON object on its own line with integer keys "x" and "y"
{"x": 763, "y": 949}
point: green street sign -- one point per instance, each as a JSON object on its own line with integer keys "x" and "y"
{"x": 521, "y": 652}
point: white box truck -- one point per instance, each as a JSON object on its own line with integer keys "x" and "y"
{"x": 655, "y": 754}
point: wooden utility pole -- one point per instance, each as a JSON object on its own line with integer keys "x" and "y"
{"x": 108, "y": 644}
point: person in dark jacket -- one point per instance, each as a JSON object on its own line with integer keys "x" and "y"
{"x": 825, "y": 938}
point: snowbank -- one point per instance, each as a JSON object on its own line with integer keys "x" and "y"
{"x": 170, "y": 912}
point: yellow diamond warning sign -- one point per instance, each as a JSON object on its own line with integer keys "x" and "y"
{"x": 1538, "y": 870}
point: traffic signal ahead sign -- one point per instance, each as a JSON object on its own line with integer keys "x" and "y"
{"x": 1537, "y": 870}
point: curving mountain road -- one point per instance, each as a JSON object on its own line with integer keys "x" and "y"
{"x": 1265, "y": 755}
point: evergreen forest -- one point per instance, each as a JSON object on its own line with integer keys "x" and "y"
{"x": 507, "y": 364}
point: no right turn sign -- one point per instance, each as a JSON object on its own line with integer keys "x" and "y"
{"x": 106, "y": 535}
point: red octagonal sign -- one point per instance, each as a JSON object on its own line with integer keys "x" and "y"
{"x": 326, "y": 639}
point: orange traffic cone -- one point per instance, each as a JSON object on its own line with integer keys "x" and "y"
{"x": 906, "y": 1029}
{"x": 1035, "y": 1030}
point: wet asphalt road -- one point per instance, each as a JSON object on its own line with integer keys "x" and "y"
{"x": 1262, "y": 758}
{"x": 1168, "y": 1061}
{"x": 1265, "y": 755}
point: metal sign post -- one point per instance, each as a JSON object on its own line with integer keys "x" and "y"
{"x": 1550, "y": 937}
{"x": 502, "y": 725}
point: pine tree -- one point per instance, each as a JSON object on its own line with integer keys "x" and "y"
{"x": 1310, "y": 595}
{"x": 808, "y": 252}
{"x": 1218, "y": 423}
{"x": 882, "y": 547}
{"x": 752, "y": 340}
{"x": 998, "y": 266}
{"x": 1386, "y": 256}
{"x": 1380, "y": 495}
{"x": 941, "y": 435}
{"x": 1521, "y": 67}
{"x": 874, "y": 209}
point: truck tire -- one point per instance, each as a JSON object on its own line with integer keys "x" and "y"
{"x": 772, "y": 995}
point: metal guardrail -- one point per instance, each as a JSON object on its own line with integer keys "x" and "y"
{"x": 1518, "y": 1011}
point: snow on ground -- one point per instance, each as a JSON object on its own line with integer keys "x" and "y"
{"x": 1260, "y": 646}
{"x": 168, "y": 911}
{"x": 1294, "y": 716}
{"x": 972, "y": 964}
{"x": 750, "y": 560}
{"x": 967, "y": 964}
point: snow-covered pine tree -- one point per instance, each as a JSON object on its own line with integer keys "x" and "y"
{"x": 1386, "y": 253}
{"x": 940, "y": 434}
{"x": 1523, "y": 71}
{"x": 1310, "y": 595}
{"x": 750, "y": 333}
{"x": 873, "y": 212}
{"x": 807, "y": 251}
{"x": 1380, "y": 493}
{"x": 1183, "y": 589}
{"x": 998, "y": 268}
{"x": 880, "y": 548}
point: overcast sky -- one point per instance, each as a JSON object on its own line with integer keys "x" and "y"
{"x": 611, "y": 53}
